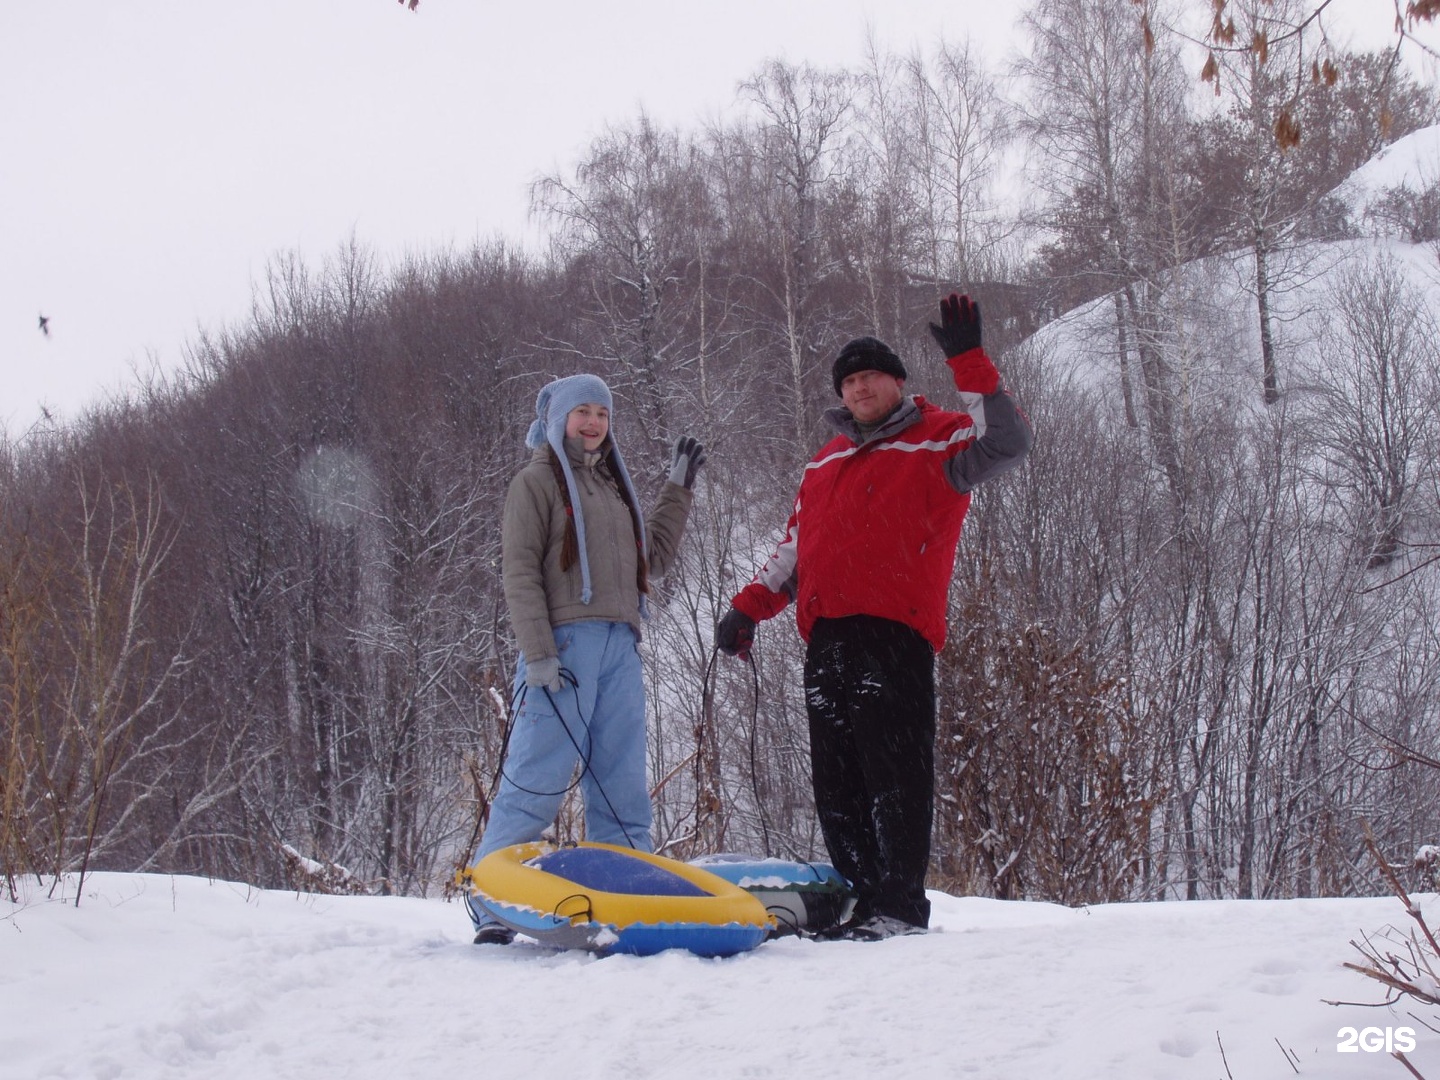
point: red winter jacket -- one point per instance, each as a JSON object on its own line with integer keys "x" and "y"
{"x": 877, "y": 520}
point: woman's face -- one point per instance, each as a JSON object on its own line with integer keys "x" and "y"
{"x": 588, "y": 423}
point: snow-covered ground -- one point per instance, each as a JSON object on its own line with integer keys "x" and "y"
{"x": 157, "y": 977}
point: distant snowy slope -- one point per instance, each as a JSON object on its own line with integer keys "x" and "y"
{"x": 1412, "y": 162}
{"x": 1208, "y": 308}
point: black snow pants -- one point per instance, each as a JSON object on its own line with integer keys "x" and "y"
{"x": 870, "y": 695}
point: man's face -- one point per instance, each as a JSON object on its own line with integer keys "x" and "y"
{"x": 869, "y": 395}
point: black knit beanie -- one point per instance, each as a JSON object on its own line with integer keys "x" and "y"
{"x": 866, "y": 354}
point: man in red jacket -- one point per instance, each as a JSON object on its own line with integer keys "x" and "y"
{"x": 867, "y": 558}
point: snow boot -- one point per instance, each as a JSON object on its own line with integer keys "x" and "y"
{"x": 494, "y": 934}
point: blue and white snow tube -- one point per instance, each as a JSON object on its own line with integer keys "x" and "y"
{"x": 799, "y": 895}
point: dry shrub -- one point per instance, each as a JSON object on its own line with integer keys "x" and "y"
{"x": 1045, "y": 781}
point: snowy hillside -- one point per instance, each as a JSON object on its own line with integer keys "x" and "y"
{"x": 1212, "y": 301}
{"x": 167, "y": 978}
{"x": 1411, "y": 162}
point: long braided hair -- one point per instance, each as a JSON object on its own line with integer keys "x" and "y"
{"x": 570, "y": 546}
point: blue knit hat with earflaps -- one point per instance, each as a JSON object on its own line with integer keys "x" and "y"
{"x": 552, "y": 407}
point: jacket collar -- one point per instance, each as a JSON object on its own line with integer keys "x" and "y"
{"x": 578, "y": 455}
{"x": 905, "y": 414}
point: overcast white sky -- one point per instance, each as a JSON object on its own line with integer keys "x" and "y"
{"x": 155, "y": 156}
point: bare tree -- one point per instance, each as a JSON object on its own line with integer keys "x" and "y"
{"x": 1385, "y": 331}
{"x": 802, "y": 113}
{"x": 91, "y": 736}
{"x": 1105, "y": 113}
{"x": 942, "y": 123}
{"x": 634, "y": 212}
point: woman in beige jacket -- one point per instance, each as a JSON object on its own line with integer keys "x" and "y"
{"x": 578, "y": 556}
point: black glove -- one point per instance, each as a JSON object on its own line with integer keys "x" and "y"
{"x": 689, "y": 455}
{"x": 959, "y": 329}
{"x": 735, "y": 634}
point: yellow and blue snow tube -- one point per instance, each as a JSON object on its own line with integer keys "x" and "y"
{"x": 611, "y": 899}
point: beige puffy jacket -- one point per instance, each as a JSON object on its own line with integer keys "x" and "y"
{"x": 538, "y": 593}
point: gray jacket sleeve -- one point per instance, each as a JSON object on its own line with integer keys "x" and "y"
{"x": 525, "y": 542}
{"x": 665, "y": 525}
{"x": 1003, "y": 439}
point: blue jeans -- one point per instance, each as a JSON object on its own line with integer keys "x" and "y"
{"x": 601, "y": 721}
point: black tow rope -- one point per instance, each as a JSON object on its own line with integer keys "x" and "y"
{"x": 567, "y": 678}
{"x": 707, "y": 696}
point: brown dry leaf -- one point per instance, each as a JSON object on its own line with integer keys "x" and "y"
{"x": 1211, "y": 71}
{"x": 1261, "y": 46}
{"x": 1287, "y": 131}
{"x": 1422, "y": 10}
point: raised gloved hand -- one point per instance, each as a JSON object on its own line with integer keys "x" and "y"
{"x": 959, "y": 335}
{"x": 959, "y": 329}
{"x": 543, "y": 672}
{"x": 735, "y": 634}
{"x": 689, "y": 455}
